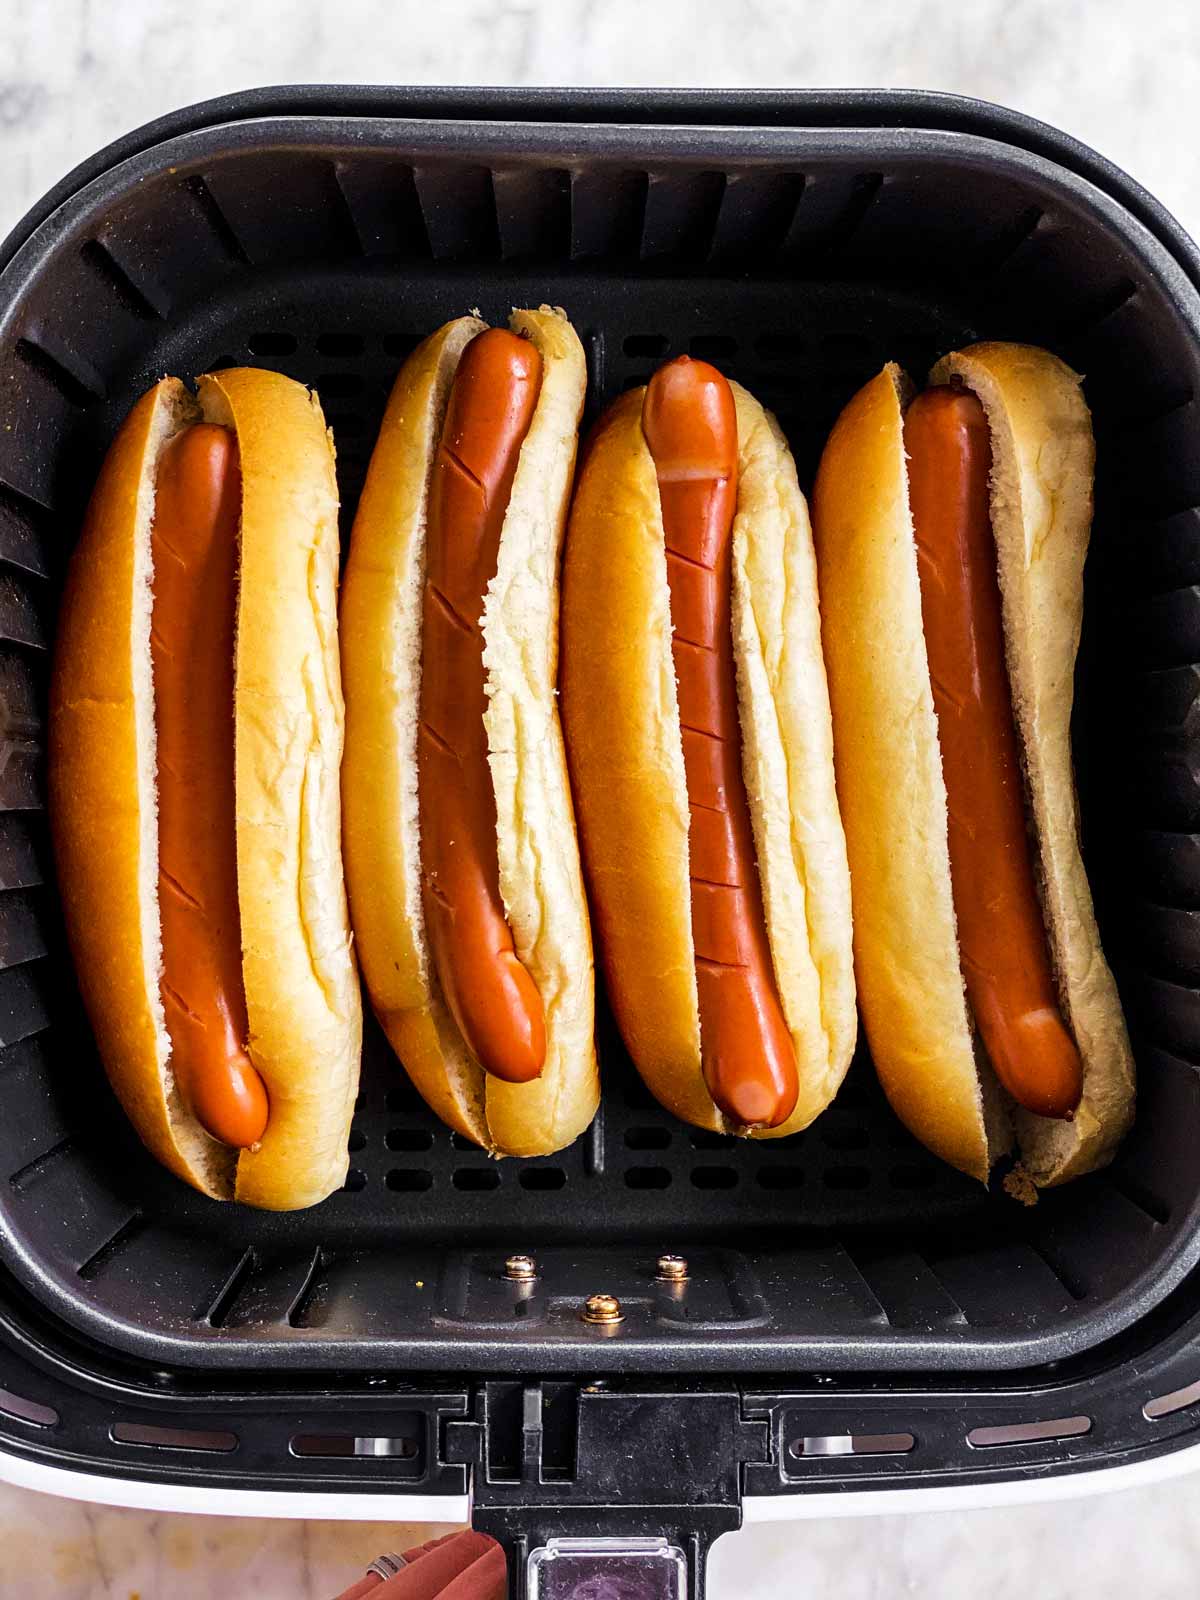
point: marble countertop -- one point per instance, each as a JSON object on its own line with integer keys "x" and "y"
{"x": 1143, "y": 1542}
{"x": 75, "y": 74}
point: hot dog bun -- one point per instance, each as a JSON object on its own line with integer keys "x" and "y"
{"x": 622, "y": 719}
{"x": 890, "y": 770}
{"x": 300, "y": 982}
{"x": 540, "y": 880}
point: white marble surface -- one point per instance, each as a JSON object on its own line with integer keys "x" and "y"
{"x": 1144, "y": 1543}
{"x": 1123, "y": 76}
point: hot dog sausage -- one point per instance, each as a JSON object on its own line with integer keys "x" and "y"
{"x": 194, "y": 543}
{"x": 1001, "y": 932}
{"x": 492, "y": 998}
{"x": 749, "y": 1065}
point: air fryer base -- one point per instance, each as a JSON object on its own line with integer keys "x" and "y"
{"x": 858, "y": 1320}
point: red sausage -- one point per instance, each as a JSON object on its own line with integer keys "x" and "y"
{"x": 690, "y": 425}
{"x": 1001, "y": 933}
{"x": 492, "y": 998}
{"x": 197, "y": 507}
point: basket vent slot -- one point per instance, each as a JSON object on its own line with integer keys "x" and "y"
{"x": 1069, "y": 1279}
{"x": 1029, "y": 1432}
{"x": 409, "y": 1180}
{"x": 339, "y": 385}
{"x": 608, "y": 211}
{"x": 1001, "y": 250}
{"x": 414, "y": 1139}
{"x": 756, "y": 215}
{"x": 1138, "y": 1194}
{"x": 223, "y": 1300}
{"x": 100, "y": 260}
{"x": 1108, "y": 304}
{"x": 345, "y": 424}
{"x": 652, "y": 346}
{"x": 23, "y": 1410}
{"x": 714, "y": 1178}
{"x": 647, "y": 1178}
{"x": 647, "y": 1138}
{"x": 273, "y": 343}
{"x": 32, "y": 1170}
{"x": 381, "y": 202}
{"x": 400, "y": 1447}
{"x": 21, "y": 854}
{"x": 210, "y": 210}
{"x": 704, "y": 1140}
{"x": 458, "y": 208}
{"x": 912, "y": 1176}
{"x": 852, "y": 1444}
{"x": 845, "y": 1137}
{"x": 863, "y": 194}
{"x": 476, "y": 1179}
{"x": 637, "y": 1096}
{"x": 75, "y": 379}
{"x": 404, "y": 1098}
{"x": 846, "y": 1177}
{"x": 680, "y": 219}
{"x": 1164, "y": 1405}
{"x": 342, "y": 215}
{"x": 401, "y": 345}
{"x": 776, "y": 1177}
{"x": 342, "y": 346}
{"x": 543, "y": 1178}
{"x": 712, "y": 346}
{"x": 26, "y": 531}
{"x": 214, "y": 1440}
{"x": 779, "y": 345}
{"x": 533, "y": 213}
{"x": 112, "y": 1246}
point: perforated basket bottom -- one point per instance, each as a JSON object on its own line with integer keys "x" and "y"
{"x": 848, "y": 1246}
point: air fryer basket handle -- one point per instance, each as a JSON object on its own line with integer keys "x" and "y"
{"x": 582, "y": 1482}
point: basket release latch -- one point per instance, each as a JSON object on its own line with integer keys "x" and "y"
{"x": 596, "y": 1490}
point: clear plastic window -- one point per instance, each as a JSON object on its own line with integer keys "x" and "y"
{"x": 607, "y": 1569}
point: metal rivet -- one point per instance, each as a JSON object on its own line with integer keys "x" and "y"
{"x": 602, "y": 1308}
{"x": 672, "y": 1269}
{"x": 520, "y": 1268}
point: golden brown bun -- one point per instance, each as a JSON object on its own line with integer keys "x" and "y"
{"x": 622, "y": 720}
{"x": 381, "y": 657}
{"x": 103, "y": 808}
{"x": 301, "y": 991}
{"x": 1043, "y": 460}
{"x": 889, "y": 762}
{"x": 536, "y": 846}
{"x": 889, "y": 774}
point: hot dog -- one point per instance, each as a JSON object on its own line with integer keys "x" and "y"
{"x": 1001, "y": 935}
{"x": 491, "y": 996}
{"x": 698, "y": 735}
{"x": 195, "y": 738}
{"x": 462, "y": 861}
{"x": 194, "y": 543}
{"x": 961, "y": 516}
{"x": 690, "y": 426}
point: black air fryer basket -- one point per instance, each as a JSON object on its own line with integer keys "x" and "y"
{"x": 856, "y": 1317}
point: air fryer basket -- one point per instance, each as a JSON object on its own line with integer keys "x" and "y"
{"x": 797, "y": 241}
